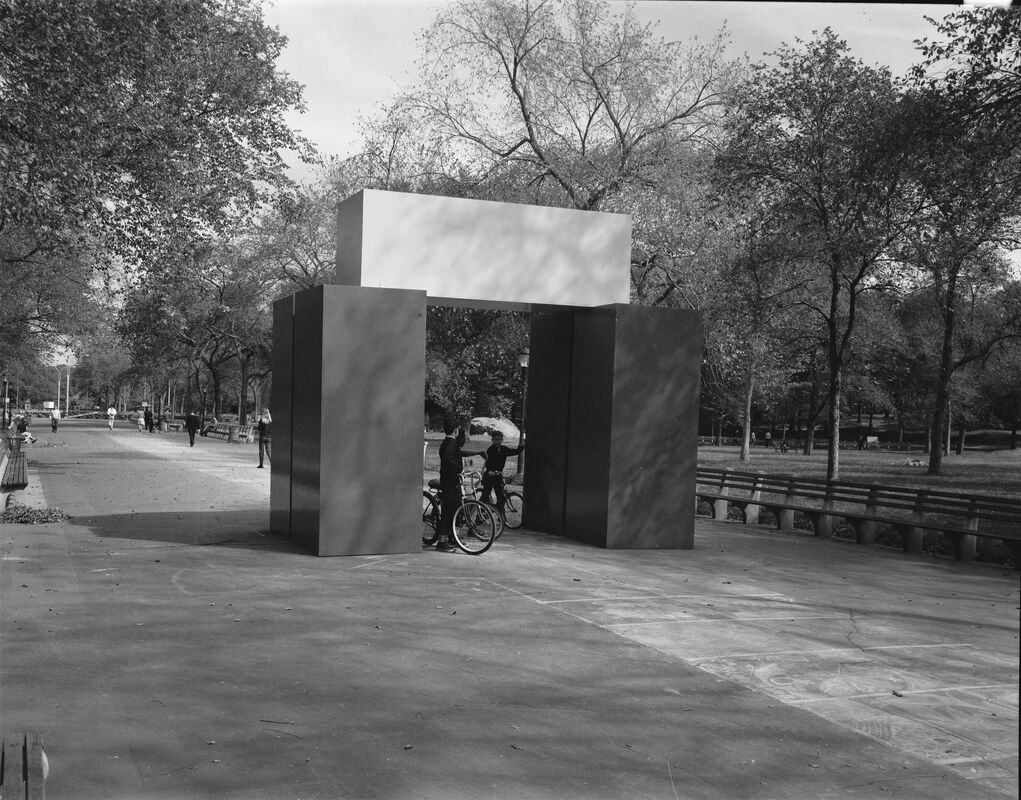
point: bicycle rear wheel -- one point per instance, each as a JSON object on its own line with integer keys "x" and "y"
{"x": 430, "y": 518}
{"x": 513, "y": 510}
{"x": 474, "y": 527}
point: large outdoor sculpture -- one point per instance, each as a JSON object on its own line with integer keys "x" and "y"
{"x": 612, "y": 388}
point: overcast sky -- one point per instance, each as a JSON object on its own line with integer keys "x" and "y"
{"x": 353, "y": 55}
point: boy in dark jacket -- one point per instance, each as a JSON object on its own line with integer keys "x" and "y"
{"x": 496, "y": 459}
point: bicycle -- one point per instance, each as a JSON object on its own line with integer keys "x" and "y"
{"x": 475, "y": 523}
{"x": 513, "y": 503}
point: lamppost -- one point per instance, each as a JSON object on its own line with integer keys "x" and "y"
{"x": 7, "y": 403}
{"x": 523, "y": 363}
{"x": 66, "y": 368}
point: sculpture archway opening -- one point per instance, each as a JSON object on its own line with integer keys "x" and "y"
{"x": 612, "y": 388}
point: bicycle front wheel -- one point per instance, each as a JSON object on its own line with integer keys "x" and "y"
{"x": 513, "y": 510}
{"x": 430, "y": 518}
{"x": 474, "y": 527}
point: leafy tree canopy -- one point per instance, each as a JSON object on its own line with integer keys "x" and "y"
{"x": 145, "y": 121}
{"x": 564, "y": 103}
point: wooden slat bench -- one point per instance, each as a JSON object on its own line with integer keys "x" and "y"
{"x": 23, "y": 768}
{"x": 222, "y": 430}
{"x": 13, "y": 466}
{"x": 961, "y": 517}
{"x": 15, "y": 474}
{"x": 245, "y": 433}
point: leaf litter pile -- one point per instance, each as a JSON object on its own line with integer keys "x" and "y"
{"x": 24, "y": 515}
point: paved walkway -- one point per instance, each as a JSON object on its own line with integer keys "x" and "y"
{"x": 166, "y": 645}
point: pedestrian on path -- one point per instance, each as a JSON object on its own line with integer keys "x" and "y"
{"x": 265, "y": 435}
{"x": 191, "y": 424}
{"x": 148, "y": 419}
{"x": 54, "y": 418}
{"x": 111, "y": 414}
{"x": 141, "y": 421}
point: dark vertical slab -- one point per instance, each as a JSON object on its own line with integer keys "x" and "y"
{"x": 356, "y": 383}
{"x": 306, "y": 418}
{"x": 589, "y": 428}
{"x": 280, "y": 408}
{"x": 373, "y": 382}
{"x": 631, "y": 427}
{"x": 653, "y": 428}
{"x": 549, "y": 382}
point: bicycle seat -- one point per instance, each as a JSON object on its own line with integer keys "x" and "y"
{"x": 434, "y": 483}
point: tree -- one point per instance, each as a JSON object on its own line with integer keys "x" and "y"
{"x": 471, "y": 360}
{"x": 297, "y": 234}
{"x": 965, "y": 169}
{"x": 812, "y": 133}
{"x": 127, "y": 125}
{"x": 1002, "y": 388}
{"x": 561, "y": 103}
{"x": 980, "y": 59}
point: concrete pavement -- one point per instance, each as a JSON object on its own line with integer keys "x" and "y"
{"x": 167, "y": 645}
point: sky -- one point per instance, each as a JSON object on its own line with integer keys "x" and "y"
{"x": 354, "y": 55}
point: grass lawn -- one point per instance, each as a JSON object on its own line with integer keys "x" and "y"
{"x": 981, "y": 471}
{"x": 984, "y": 471}
{"x": 992, "y": 472}
{"x": 479, "y": 441}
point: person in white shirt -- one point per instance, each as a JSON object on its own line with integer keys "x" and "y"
{"x": 111, "y": 414}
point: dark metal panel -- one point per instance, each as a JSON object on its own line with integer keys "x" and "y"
{"x": 654, "y": 445}
{"x": 373, "y": 382}
{"x": 306, "y": 413}
{"x": 588, "y": 460}
{"x": 280, "y": 408}
{"x": 549, "y": 381}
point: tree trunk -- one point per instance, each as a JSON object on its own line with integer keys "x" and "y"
{"x": 833, "y": 416}
{"x": 216, "y": 393}
{"x": 961, "y": 428}
{"x": 747, "y": 415}
{"x": 243, "y": 399}
{"x": 939, "y": 418}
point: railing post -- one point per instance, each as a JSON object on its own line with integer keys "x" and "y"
{"x": 866, "y": 528}
{"x": 720, "y": 505}
{"x": 824, "y": 522}
{"x": 913, "y": 533}
{"x": 966, "y": 543}
{"x": 785, "y": 516}
{"x": 751, "y": 509}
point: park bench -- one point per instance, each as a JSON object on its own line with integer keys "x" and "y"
{"x": 23, "y": 768}
{"x": 960, "y": 517}
{"x": 222, "y": 430}
{"x": 13, "y": 466}
{"x": 245, "y": 433}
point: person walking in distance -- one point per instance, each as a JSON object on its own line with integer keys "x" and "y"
{"x": 265, "y": 436}
{"x": 191, "y": 424}
{"x": 54, "y": 418}
{"x": 111, "y": 415}
{"x": 141, "y": 421}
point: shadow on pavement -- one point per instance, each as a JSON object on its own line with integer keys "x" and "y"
{"x": 229, "y": 528}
